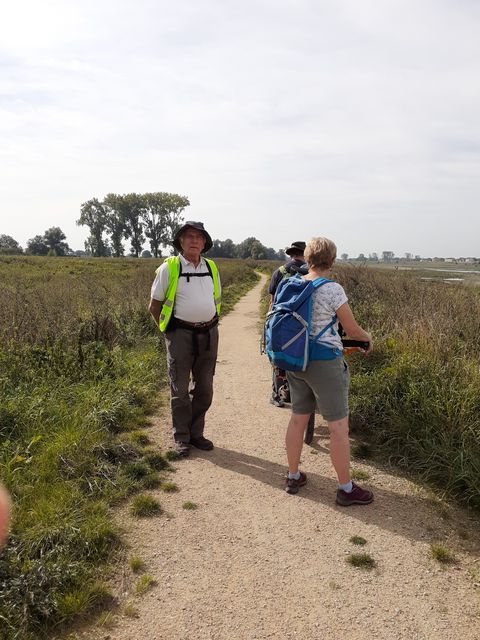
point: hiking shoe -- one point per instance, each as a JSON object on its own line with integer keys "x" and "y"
{"x": 292, "y": 486}
{"x": 202, "y": 443}
{"x": 356, "y": 496}
{"x": 277, "y": 402}
{"x": 182, "y": 449}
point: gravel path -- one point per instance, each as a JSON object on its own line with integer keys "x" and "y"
{"x": 252, "y": 562}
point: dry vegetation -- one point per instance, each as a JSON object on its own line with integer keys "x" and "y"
{"x": 417, "y": 399}
{"x": 80, "y": 363}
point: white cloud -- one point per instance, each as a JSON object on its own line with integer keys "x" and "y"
{"x": 358, "y": 120}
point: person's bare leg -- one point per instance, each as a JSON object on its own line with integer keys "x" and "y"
{"x": 294, "y": 439}
{"x": 340, "y": 449}
{"x": 4, "y": 515}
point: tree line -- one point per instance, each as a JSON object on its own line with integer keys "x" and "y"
{"x": 51, "y": 243}
{"x": 153, "y": 217}
{"x": 132, "y": 216}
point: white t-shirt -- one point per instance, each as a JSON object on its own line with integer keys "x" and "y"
{"x": 325, "y": 302}
{"x": 194, "y": 300}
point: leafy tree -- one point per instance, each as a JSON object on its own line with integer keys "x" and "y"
{"x": 133, "y": 209}
{"x": 54, "y": 239}
{"x": 92, "y": 215}
{"x": 37, "y": 246}
{"x": 216, "y": 251}
{"x": 162, "y": 217}
{"x": 249, "y": 248}
{"x": 271, "y": 254}
{"x": 344, "y": 257}
{"x": 244, "y": 249}
{"x": 258, "y": 251}
{"x": 9, "y": 246}
{"x": 228, "y": 248}
{"x": 223, "y": 249}
{"x": 115, "y": 222}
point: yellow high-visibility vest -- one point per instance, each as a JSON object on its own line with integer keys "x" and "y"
{"x": 173, "y": 274}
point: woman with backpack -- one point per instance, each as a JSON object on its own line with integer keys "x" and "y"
{"x": 324, "y": 383}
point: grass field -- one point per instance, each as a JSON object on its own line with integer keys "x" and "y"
{"x": 81, "y": 362}
{"x": 416, "y": 400}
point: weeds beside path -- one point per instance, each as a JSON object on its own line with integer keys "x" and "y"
{"x": 251, "y": 561}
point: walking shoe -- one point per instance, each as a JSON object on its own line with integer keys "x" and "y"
{"x": 356, "y": 496}
{"x": 276, "y": 402}
{"x": 292, "y": 485}
{"x": 202, "y": 443}
{"x": 182, "y": 449}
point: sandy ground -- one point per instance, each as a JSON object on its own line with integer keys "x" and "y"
{"x": 253, "y": 562}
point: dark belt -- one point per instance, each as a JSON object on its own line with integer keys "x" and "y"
{"x": 195, "y": 328}
{"x": 183, "y": 324}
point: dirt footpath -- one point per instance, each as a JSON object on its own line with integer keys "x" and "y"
{"x": 252, "y": 562}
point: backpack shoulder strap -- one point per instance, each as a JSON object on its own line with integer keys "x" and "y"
{"x": 209, "y": 267}
{"x": 319, "y": 282}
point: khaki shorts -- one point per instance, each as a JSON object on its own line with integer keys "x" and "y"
{"x": 324, "y": 385}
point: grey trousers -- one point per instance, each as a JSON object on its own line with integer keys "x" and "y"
{"x": 191, "y": 380}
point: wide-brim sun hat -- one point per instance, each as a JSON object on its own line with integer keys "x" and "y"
{"x": 193, "y": 225}
{"x": 296, "y": 247}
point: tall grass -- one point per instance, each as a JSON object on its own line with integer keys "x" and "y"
{"x": 417, "y": 398}
{"x": 80, "y": 363}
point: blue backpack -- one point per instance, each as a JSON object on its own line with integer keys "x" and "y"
{"x": 287, "y": 327}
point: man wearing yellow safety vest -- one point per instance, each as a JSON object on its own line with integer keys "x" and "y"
{"x": 185, "y": 303}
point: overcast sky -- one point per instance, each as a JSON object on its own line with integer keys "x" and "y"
{"x": 280, "y": 119}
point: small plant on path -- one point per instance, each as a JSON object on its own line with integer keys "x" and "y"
{"x": 359, "y": 474}
{"x": 358, "y": 540}
{"x": 136, "y": 564}
{"x": 168, "y": 487}
{"x": 361, "y": 561}
{"x": 440, "y": 553}
{"x": 144, "y": 583}
{"x": 144, "y": 506}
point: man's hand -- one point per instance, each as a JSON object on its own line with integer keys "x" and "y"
{"x": 155, "y": 308}
{"x": 370, "y": 346}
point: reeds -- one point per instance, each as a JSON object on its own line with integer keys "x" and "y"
{"x": 416, "y": 400}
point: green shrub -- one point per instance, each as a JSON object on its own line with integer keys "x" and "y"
{"x": 440, "y": 553}
{"x": 416, "y": 401}
{"x": 156, "y": 461}
{"x": 361, "y": 561}
{"x": 168, "y": 487}
{"x": 145, "y": 506}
